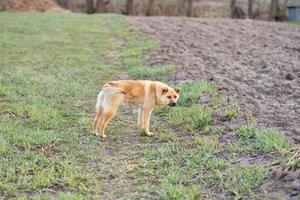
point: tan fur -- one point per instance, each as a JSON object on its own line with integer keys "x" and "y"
{"x": 144, "y": 94}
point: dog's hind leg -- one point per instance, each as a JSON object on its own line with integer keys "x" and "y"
{"x": 106, "y": 118}
{"x": 97, "y": 119}
{"x": 110, "y": 107}
{"x": 99, "y": 112}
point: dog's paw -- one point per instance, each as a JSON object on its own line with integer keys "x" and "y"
{"x": 96, "y": 133}
{"x": 103, "y": 136}
{"x": 149, "y": 134}
{"x": 144, "y": 132}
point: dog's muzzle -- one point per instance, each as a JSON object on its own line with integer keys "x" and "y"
{"x": 172, "y": 104}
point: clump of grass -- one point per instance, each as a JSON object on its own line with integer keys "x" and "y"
{"x": 246, "y": 132}
{"x": 217, "y": 130}
{"x": 4, "y": 146}
{"x": 154, "y": 73}
{"x": 189, "y": 119}
{"x": 68, "y": 196}
{"x": 270, "y": 140}
{"x": 216, "y": 163}
{"x": 165, "y": 137}
{"x": 207, "y": 145}
{"x": 174, "y": 191}
{"x": 44, "y": 178}
{"x": 231, "y": 114}
{"x": 191, "y": 92}
{"x": 59, "y": 196}
{"x": 243, "y": 180}
{"x": 239, "y": 180}
{"x": 2, "y": 92}
{"x": 267, "y": 140}
{"x": 31, "y": 138}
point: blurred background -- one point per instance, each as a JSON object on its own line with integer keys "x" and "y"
{"x": 278, "y": 10}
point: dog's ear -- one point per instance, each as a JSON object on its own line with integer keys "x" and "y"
{"x": 164, "y": 90}
{"x": 177, "y": 89}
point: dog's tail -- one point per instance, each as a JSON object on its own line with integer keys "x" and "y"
{"x": 106, "y": 91}
{"x": 99, "y": 102}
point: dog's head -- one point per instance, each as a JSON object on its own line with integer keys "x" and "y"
{"x": 167, "y": 95}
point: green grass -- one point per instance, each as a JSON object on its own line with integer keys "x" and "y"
{"x": 132, "y": 58}
{"x": 189, "y": 119}
{"x": 53, "y": 66}
{"x": 4, "y": 146}
{"x": 231, "y": 113}
{"x": 198, "y": 168}
{"x": 192, "y": 92}
{"x": 245, "y": 179}
{"x": 146, "y": 73}
{"x": 266, "y": 140}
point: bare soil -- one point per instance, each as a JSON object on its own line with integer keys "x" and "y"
{"x": 256, "y": 63}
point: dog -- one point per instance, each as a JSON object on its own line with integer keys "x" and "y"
{"x": 142, "y": 93}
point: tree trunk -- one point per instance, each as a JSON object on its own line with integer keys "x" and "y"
{"x": 149, "y": 7}
{"x": 189, "y": 8}
{"x": 129, "y": 7}
{"x": 274, "y": 9}
{"x": 250, "y": 9}
{"x": 232, "y": 7}
{"x": 89, "y": 6}
{"x": 100, "y": 6}
{"x": 181, "y": 7}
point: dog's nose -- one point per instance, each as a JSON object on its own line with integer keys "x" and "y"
{"x": 172, "y": 104}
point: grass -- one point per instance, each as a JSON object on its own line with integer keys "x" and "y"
{"x": 231, "y": 113}
{"x": 50, "y": 67}
{"x": 132, "y": 58}
{"x": 266, "y": 140}
{"x": 197, "y": 168}
{"x": 189, "y": 119}
{"x": 193, "y": 91}
{"x": 53, "y": 65}
{"x": 158, "y": 73}
{"x": 4, "y": 146}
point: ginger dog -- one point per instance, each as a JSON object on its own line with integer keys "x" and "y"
{"x": 144, "y": 94}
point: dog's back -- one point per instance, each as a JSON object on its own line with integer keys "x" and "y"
{"x": 134, "y": 90}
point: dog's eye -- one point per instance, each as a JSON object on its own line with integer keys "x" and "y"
{"x": 175, "y": 96}
{"x": 169, "y": 97}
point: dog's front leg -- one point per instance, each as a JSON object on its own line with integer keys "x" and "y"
{"x": 147, "y": 114}
{"x": 141, "y": 119}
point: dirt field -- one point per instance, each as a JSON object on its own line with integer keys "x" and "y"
{"x": 257, "y": 63}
